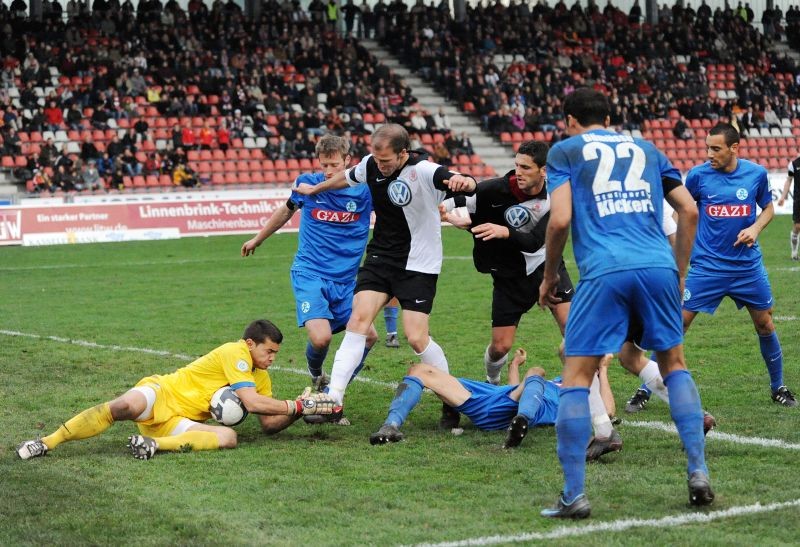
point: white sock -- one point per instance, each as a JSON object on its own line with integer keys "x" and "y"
{"x": 651, "y": 377}
{"x": 794, "y": 240}
{"x": 434, "y": 355}
{"x": 601, "y": 423}
{"x": 347, "y": 358}
{"x": 493, "y": 368}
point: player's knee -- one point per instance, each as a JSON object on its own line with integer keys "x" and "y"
{"x": 535, "y": 371}
{"x": 227, "y": 437}
{"x": 320, "y": 341}
{"x": 418, "y": 341}
{"x": 498, "y": 349}
{"x": 123, "y": 408}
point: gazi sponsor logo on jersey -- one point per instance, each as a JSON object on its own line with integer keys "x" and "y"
{"x": 728, "y": 211}
{"x": 340, "y": 217}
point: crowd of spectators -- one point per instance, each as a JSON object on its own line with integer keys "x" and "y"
{"x": 286, "y": 76}
{"x": 647, "y": 70}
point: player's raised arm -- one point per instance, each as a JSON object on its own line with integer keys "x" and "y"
{"x": 337, "y": 181}
{"x": 275, "y": 222}
{"x": 682, "y": 201}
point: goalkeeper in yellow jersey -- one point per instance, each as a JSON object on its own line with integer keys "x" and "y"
{"x": 169, "y": 410}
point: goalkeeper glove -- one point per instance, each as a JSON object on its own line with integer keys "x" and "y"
{"x": 317, "y": 403}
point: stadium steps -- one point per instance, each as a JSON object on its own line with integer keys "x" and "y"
{"x": 494, "y": 154}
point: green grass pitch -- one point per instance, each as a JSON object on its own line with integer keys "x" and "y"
{"x": 325, "y": 485}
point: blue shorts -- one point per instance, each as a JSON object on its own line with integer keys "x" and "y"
{"x": 491, "y": 409}
{"x": 705, "y": 292}
{"x": 317, "y": 298}
{"x": 604, "y": 307}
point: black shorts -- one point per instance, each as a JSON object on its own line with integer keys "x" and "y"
{"x": 514, "y": 296}
{"x": 796, "y": 207}
{"x": 414, "y": 290}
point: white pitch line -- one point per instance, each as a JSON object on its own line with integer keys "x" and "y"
{"x": 758, "y": 441}
{"x": 624, "y": 524}
{"x": 125, "y": 264}
{"x": 785, "y": 318}
{"x": 165, "y": 353}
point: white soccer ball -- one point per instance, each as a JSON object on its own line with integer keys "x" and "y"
{"x": 226, "y": 407}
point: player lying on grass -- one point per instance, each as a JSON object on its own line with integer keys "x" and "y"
{"x": 170, "y": 410}
{"x": 515, "y": 407}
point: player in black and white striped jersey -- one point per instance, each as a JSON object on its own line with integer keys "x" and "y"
{"x": 404, "y": 256}
{"x": 508, "y": 219}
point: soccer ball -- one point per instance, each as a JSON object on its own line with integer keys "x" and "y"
{"x": 226, "y": 408}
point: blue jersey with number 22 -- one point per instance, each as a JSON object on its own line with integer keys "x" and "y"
{"x": 616, "y": 200}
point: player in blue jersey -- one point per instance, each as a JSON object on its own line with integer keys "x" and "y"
{"x": 334, "y": 228}
{"x": 609, "y": 188}
{"x": 490, "y": 407}
{"x": 726, "y": 260}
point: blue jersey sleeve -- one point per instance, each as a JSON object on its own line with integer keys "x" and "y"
{"x": 558, "y": 171}
{"x": 668, "y": 171}
{"x": 299, "y": 199}
{"x": 692, "y": 184}
{"x": 763, "y": 194}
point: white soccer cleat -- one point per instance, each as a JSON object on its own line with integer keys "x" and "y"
{"x": 31, "y": 449}
{"x": 142, "y": 448}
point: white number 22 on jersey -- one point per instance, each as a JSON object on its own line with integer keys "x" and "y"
{"x": 607, "y": 155}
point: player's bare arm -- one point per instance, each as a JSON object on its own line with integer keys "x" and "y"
{"x": 462, "y": 222}
{"x": 785, "y": 192}
{"x": 461, "y": 183}
{"x": 306, "y": 404}
{"x": 749, "y": 235}
{"x": 336, "y": 182}
{"x": 555, "y": 241}
{"x": 275, "y": 223}
{"x": 520, "y": 356}
{"x": 685, "y": 207}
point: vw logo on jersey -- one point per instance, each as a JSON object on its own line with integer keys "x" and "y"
{"x": 687, "y": 294}
{"x": 399, "y": 193}
{"x": 305, "y": 306}
{"x": 351, "y": 206}
{"x": 517, "y": 216}
{"x": 741, "y": 193}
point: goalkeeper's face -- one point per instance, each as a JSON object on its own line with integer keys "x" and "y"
{"x": 263, "y": 354}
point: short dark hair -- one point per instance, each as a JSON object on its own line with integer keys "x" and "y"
{"x": 535, "y": 149}
{"x": 393, "y": 135}
{"x": 261, "y": 330}
{"x": 331, "y": 145}
{"x": 588, "y": 106}
{"x": 726, "y": 130}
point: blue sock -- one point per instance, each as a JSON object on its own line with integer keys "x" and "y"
{"x": 360, "y": 365}
{"x": 405, "y": 399}
{"x": 531, "y": 399}
{"x": 390, "y": 316}
{"x": 315, "y": 359}
{"x": 684, "y": 405}
{"x": 773, "y": 358}
{"x": 573, "y": 431}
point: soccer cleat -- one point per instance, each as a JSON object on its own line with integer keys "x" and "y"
{"x": 578, "y": 509}
{"x": 392, "y": 341}
{"x": 31, "y": 449}
{"x": 598, "y": 447}
{"x": 794, "y": 254}
{"x": 709, "y": 422}
{"x": 450, "y": 417}
{"x": 638, "y": 401}
{"x": 388, "y": 433}
{"x": 516, "y": 431}
{"x": 700, "y": 492}
{"x": 142, "y": 448}
{"x": 319, "y": 383}
{"x": 784, "y": 397}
